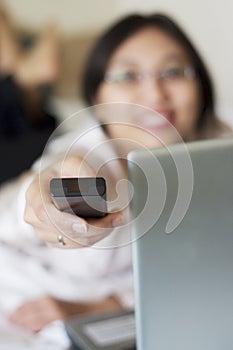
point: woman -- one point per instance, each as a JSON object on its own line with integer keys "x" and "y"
{"x": 147, "y": 64}
{"x": 121, "y": 68}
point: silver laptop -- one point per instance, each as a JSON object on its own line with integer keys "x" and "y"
{"x": 182, "y": 221}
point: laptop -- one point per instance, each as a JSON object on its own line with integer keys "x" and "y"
{"x": 103, "y": 331}
{"x": 182, "y": 223}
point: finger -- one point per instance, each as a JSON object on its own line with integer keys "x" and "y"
{"x": 64, "y": 242}
{"x": 49, "y": 222}
{"x": 75, "y": 228}
{"x": 111, "y": 220}
{"x": 97, "y": 230}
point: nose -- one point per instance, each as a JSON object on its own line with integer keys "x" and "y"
{"x": 152, "y": 93}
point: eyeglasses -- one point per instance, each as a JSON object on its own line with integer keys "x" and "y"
{"x": 134, "y": 78}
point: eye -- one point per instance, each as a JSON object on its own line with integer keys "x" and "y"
{"x": 129, "y": 76}
{"x": 173, "y": 73}
{"x": 122, "y": 77}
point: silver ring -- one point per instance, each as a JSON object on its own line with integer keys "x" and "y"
{"x": 60, "y": 240}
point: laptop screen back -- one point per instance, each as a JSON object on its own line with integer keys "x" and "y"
{"x": 182, "y": 225}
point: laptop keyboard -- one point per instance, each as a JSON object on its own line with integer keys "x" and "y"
{"x": 111, "y": 331}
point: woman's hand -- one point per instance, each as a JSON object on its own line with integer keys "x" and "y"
{"x": 61, "y": 229}
{"x": 36, "y": 314}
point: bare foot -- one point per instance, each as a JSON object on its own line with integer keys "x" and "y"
{"x": 10, "y": 51}
{"x": 40, "y": 64}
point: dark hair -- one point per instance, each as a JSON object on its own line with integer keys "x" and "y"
{"x": 106, "y": 45}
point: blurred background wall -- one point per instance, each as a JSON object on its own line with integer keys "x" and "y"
{"x": 209, "y": 23}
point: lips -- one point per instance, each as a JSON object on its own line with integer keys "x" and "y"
{"x": 165, "y": 114}
{"x": 156, "y": 121}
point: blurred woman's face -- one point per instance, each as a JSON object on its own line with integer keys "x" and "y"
{"x": 153, "y": 70}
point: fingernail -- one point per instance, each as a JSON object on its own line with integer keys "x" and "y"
{"x": 117, "y": 221}
{"x": 79, "y": 227}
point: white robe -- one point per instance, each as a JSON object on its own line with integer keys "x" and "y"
{"x": 30, "y": 269}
